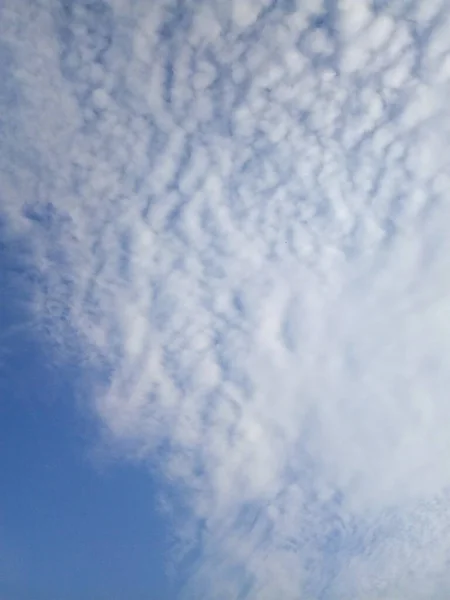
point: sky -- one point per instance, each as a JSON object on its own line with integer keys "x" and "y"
{"x": 224, "y": 299}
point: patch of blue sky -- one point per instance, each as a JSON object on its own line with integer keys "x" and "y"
{"x": 71, "y": 523}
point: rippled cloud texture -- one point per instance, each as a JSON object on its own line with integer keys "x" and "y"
{"x": 240, "y": 212}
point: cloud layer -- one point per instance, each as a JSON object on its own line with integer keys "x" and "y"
{"x": 240, "y": 212}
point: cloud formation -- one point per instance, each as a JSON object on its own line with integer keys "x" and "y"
{"x": 240, "y": 210}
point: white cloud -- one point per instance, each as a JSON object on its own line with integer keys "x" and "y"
{"x": 247, "y": 223}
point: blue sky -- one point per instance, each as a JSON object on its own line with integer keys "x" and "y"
{"x": 224, "y": 283}
{"x": 74, "y": 523}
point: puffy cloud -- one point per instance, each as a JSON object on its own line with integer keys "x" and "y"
{"x": 243, "y": 216}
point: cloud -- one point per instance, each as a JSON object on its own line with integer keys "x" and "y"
{"x": 241, "y": 216}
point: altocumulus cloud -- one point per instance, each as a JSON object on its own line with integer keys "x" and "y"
{"x": 240, "y": 210}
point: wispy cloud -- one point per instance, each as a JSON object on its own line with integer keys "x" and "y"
{"x": 241, "y": 211}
